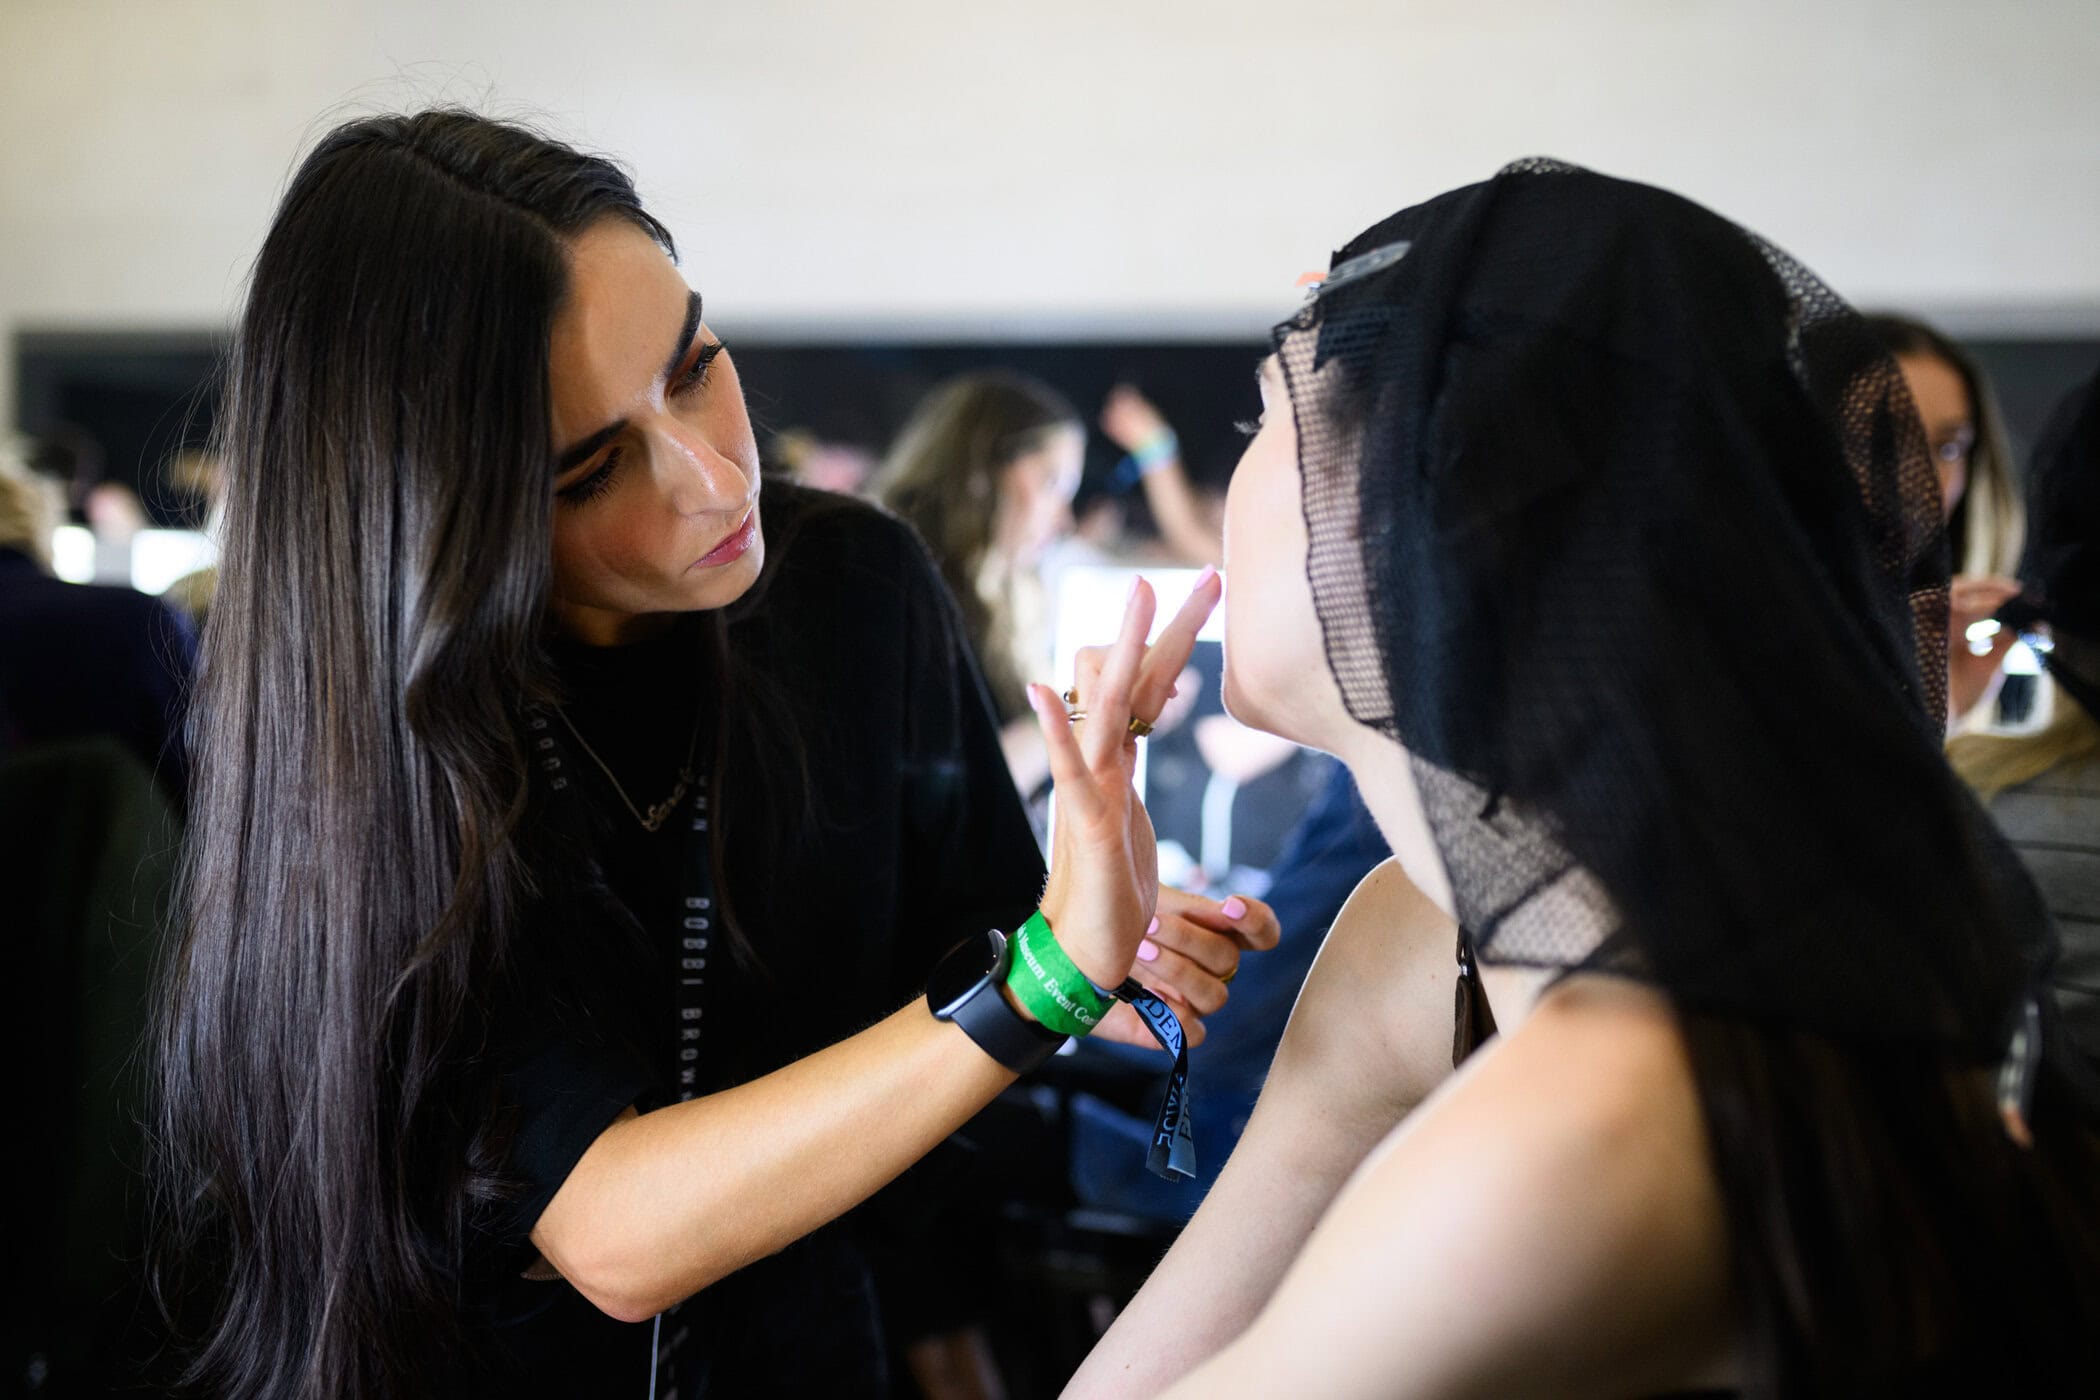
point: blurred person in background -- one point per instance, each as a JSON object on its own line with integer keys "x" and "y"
{"x": 92, "y": 779}
{"x": 1191, "y": 521}
{"x": 85, "y": 659}
{"x": 815, "y": 461}
{"x": 115, "y": 515}
{"x": 198, "y": 475}
{"x": 2044, "y": 788}
{"x": 1979, "y": 496}
{"x": 985, "y": 470}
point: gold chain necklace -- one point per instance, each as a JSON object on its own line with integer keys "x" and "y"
{"x": 661, "y": 811}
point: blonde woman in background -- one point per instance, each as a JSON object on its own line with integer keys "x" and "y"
{"x": 985, "y": 470}
{"x": 1980, "y": 498}
{"x": 2044, "y": 788}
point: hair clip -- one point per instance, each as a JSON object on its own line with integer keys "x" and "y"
{"x": 1357, "y": 268}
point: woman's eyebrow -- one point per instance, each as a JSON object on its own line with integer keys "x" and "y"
{"x": 581, "y": 451}
{"x": 685, "y": 335}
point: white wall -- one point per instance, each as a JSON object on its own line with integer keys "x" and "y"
{"x": 1021, "y": 168}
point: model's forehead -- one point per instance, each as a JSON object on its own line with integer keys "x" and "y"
{"x": 616, "y": 329}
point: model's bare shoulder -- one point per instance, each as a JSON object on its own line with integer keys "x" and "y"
{"x": 1546, "y": 1223}
{"x": 1377, "y": 1004}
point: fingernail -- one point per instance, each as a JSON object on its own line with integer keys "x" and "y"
{"x": 1234, "y": 907}
{"x": 1152, "y": 927}
{"x": 1135, "y": 580}
{"x": 1210, "y": 571}
{"x": 1148, "y": 951}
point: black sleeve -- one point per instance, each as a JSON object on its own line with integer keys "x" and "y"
{"x": 564, "y": 1065}
{"x": 558, "y": 1094}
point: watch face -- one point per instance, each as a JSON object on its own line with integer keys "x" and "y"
{"x": 963, "y": 971}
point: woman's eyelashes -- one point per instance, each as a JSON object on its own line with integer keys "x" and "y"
{"x": 695, "y": 377}
{"x": 689, "y": 381}
{"x": 594, "y": 485}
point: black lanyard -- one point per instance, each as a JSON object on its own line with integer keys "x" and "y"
{"x": 1172, "y": 1155}
{"x": 695, "y": 914}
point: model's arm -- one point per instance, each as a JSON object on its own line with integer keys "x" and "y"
{"x": 665, "y": 1203}
{"x": 1370, "y": 1038}
{"x": 1547, "y": 1224}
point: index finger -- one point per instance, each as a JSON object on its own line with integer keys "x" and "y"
{"x": 1109, "y": 707}
{"x": 1170, "y": 651}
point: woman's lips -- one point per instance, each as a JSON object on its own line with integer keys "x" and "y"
{"x": 734, "y": 546}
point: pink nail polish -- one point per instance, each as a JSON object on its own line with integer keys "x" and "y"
{"x": 1148, "y": 951}
{"x": 1152, "y": 927}
{"x": 1234, "y": 908}
{"x": 1210, "y": 571}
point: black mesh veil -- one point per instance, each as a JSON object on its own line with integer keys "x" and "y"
{"x": 1625, "y": 528}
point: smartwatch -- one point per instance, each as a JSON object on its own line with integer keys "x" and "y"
{"x": 964, "y": 989}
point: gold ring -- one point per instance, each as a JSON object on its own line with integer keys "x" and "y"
{"x": 1227, "y": 978}
{"x": 1139, "y": 728}
{"x": 1072, "y": 696}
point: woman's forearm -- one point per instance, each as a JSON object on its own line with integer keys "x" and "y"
{"x": 1175, "y": 509}
{"x": 665, "y": 1203}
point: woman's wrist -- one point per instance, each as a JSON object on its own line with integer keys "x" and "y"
{"x": 1159, "y": 447}
{"x": 1020, "y": 1007}
{"x": 1048, "y": 986}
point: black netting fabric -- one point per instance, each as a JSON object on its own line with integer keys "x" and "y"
{"x": 1625, "y": 528}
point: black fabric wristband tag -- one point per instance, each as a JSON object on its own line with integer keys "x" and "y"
{"x": 1173, "y": 1152}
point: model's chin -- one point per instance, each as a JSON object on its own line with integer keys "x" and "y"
{"x": 1275, "y": 705}
{"x": 1239, "y": 701}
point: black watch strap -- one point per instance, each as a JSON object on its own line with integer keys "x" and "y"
{"x": 964, "y": 989}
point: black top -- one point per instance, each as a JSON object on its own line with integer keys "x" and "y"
{"x": 874, "y": 829}
{"x": 78, "y": 660}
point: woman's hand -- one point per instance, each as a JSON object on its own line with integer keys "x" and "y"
{"x": 1129, "y": 419}
{"x": 1104, "y": 869}
{"x": 1970, "y": 675}
{"x": 1191, "y": 949}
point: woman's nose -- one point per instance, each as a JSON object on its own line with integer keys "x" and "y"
{"x": 701, "y": 479}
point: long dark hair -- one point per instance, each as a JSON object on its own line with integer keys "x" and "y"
{"x": 943, "y": 475}
{"x": 353, "y": 881}
{"x": 1554, "y": 429}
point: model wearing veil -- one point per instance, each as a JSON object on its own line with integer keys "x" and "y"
{"x": 1609, "y": 540}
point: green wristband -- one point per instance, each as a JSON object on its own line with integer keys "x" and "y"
{"x": 1047, "y": 983}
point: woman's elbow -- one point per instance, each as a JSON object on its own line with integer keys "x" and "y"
{"x": 631, "y": 1294}
{"x": 621, "y": 1308}
{"x": 633, "y": 1283}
